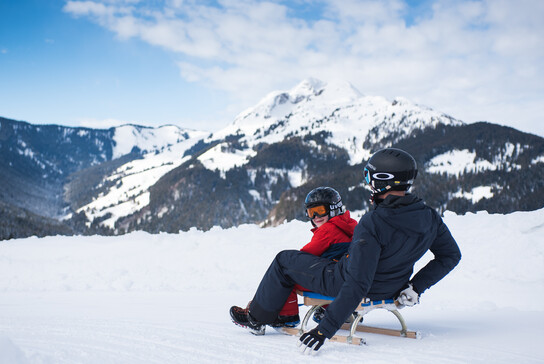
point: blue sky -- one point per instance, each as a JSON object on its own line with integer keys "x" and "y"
{"x": 197, "y": 64}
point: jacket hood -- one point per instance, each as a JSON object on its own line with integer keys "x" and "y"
{"x": 408, "y": 213}
{"x": 344, "y": 222}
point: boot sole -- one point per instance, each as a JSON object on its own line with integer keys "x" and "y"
{"x": 251, "y": 330}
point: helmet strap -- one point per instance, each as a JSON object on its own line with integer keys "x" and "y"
{"x": 374, "y": 196}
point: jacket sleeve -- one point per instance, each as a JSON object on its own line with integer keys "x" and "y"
{"x": 446, "y": 256}
{"x": 361, "y": 265}
{"x": 321, "y": 240}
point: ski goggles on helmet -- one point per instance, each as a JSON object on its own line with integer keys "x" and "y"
{"x": 317, "y": 211}
{"x": 367, "y": 175}
{"x": 379, "y": 182}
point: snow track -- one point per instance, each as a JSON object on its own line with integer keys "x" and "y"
{"x": 164, "y": 298}
{"x": 157, "y": 328}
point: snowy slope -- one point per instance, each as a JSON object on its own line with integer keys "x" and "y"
{"x": 148, "y": 140}
{"x": 163, "y": 149}
{"x": 142, "y": 298}
{"x": 456, "y": 162}
{"x": 312, "y": 107}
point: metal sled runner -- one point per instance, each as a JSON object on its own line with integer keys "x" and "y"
{"x": 316, "y": 300}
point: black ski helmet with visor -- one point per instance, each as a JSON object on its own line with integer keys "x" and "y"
{"x": 327, "y": 197}
{"x": 390, "y": 169}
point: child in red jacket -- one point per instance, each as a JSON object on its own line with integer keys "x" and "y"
{"x": 332, "y": 225}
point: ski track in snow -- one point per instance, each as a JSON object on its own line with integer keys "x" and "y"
{"x": 450, "y": 337}
{"x": 164, "y": 298}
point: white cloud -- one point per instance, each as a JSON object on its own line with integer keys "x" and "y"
{"x": 477, "y": 60}
{"x": 82, "y": 8}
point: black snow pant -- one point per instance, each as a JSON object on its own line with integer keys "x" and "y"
{"x": 290, "y": 267}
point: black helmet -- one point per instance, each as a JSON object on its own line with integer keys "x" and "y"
{"x": 390, "y": 169}
{"x": 326, "y": 196}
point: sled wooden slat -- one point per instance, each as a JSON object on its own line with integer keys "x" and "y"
{"x": 353, "y": 340}
{"x": 291, "y": 331}
{"x": 383, "y": 331}
{"x": 336, "y": 338}
{"x": 309, "y": 301}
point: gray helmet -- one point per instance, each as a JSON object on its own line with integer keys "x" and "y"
{"x": 390, "y": 169}
{"x": 326, "y": 196}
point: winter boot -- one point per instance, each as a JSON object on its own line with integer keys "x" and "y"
{"x": 286, "y": 321}
{"x": 241, "y": 317}
{"x": 318, "y": 314}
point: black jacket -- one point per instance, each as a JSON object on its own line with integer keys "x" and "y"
{"x": 386, "y": 244}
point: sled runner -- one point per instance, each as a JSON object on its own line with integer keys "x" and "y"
{"x": 316, "y": 300}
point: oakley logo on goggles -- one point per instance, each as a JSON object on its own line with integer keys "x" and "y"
{"x": 318, "y": 211}
{"x": 383, "y": 176}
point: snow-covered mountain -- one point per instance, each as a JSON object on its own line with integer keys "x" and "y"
{"x": 125, "y": 190}
{"x": 312, "y": 107}
{"x": 259, "y": 168}
{"x": 336, "y": 110}
{"x": 54, "y": 171}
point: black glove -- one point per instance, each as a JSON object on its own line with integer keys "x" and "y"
{"x": 313, "y": 339}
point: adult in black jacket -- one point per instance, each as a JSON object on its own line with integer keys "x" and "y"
{"x": 386, "y": 244}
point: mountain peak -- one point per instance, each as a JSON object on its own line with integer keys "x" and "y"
{"x": 334, "y": 108}
{"x": 308, "y": 86}
{"x": 310, "y": 93}
{"x": 332, "y": 91}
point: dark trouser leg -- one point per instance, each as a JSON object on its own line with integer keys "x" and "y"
{"x": 292, "y": 267}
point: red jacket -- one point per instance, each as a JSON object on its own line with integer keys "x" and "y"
{"x": 338, "y": 229}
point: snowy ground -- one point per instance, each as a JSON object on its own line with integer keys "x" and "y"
{"x": 164, "y": 298}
